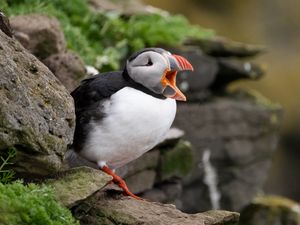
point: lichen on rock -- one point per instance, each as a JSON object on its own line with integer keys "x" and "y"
{"x": 110, "y": 208}
{"x": 77, "y": 184}
{"x": 36, "y": 112}
{"x": 271, "y": 210}
{"x": 177, "y": 161}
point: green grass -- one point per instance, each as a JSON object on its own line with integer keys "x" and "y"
{"x": 31, "y": 205}
{"x": 103, "y": 39}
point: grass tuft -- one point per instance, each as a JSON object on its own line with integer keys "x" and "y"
{"x": 104, "y": 39}
{"x": 31, "y": 205}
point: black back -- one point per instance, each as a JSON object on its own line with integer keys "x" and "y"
{"x": 97, "y": 88}
{"x": 89, "y": 96}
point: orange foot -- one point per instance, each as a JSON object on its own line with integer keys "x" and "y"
{"x": 120, "y": 182}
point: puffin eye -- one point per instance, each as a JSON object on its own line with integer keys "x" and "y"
{"x": 149, "y": 63}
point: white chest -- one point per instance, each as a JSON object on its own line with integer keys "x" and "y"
{"x": 134, "y": 124}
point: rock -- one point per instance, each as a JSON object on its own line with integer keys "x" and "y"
{"x": 191, "y": 195}
{"x": 36, "y": 112}
{"x": 172, "y": 189}
{"x": 124, "y": 7}
{"x": 72, "y": 159}
{"x": 141, "y": 181}
{"x": 67, "y": 67}
{"x": 223, "y": 47}
{"x": 176, "y": 162}
{"x": 271, "y": 210}
{"x": 107, "y": 209}
{"x": 4, "y": 25}
{"x": 212, "y": 74}
{"x": 172, "y": 138}
{"x": 145, "y": 162}
{"x": 77, "y": 184}
{"x": 155, "y": 195}
{"x": 240, "y": 133}
{"x": 232, "y": 70}
{"x": 203, "y": 76}
{"x": 166, "y": 192}
{"x": 239, "y": 185}
{"x": 42, "y": 38}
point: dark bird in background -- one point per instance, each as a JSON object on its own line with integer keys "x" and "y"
{"x": 121, "y": 115}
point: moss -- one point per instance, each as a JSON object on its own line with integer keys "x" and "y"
{"x": 277, "y": 201}
{"x": 177, "y": 161}
{"x": 255, "y": 97}
{"x": 77, "y": 184}
{"x": 271, "y": 210}
{"x": 104, "y": 39}
{"x": 32, "y": 205}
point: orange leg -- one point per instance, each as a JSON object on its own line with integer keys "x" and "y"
{"x": 119, "y": 181}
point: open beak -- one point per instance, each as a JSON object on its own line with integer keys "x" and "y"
{"x": 177, "y": 63}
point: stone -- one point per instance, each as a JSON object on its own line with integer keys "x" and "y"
{"x": 171, "y": 138}
{"x": 271, "y": 210}
{"x": 239, "y": 185}
{"x": 194, "y": 83}
{"x": 124, "y": 7}
{"x": 232, "y": 70}
{"x": 155, "y": 195}
{"x": 67, "y": 67}
{"x": 240, "y": 132}
{"x": 166, "y": 192}
{"x": 72, "y": 159}
{"x": 36, "y": 111}
{"x": 141, "y": 181}
{"x": 5, "y": 25}
{"x": 107, "y": 208}
{"x": 223, "y": 47}
{"x": 212, "y": 74}
{"x": 172, "y": 189}
{"x": 195, "y": 197}
{"x": 72, "y": 186}
{"x": 176, "y": 162}
{"x": 44, "y": 36}
{"x": 147, "y": 161}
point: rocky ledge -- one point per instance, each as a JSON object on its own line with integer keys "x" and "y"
{"x": 108, "y": 208}
{"x": 107, "y": 205}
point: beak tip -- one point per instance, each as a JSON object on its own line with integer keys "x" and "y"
{"x": 179, "y": 97}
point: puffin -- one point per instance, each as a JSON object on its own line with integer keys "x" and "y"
{"x": 120, "y": 115}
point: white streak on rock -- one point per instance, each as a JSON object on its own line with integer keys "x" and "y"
{"x": 211, "y": 180}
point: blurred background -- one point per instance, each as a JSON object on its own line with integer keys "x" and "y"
{"x": 274, "y": 24}
{"x": 223, "y": 151}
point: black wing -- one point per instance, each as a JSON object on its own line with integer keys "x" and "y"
{"x": 88, "y": 98}
{"x": 97, "y": 88}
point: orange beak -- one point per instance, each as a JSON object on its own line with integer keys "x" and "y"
{"x": 177, "y": 63}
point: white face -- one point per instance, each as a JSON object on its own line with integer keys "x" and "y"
{"x": 148, "y": 68}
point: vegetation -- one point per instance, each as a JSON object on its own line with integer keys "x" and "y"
{"x": 104, "y": 39}
{"x": 32, "y": 205}
{"x": 177, "y": 161}
{"x": 6, "y": 174}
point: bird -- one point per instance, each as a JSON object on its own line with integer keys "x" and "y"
{"x": 120, "y": 115}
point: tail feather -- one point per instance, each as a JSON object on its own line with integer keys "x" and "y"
{"x": 73, "y": 159}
